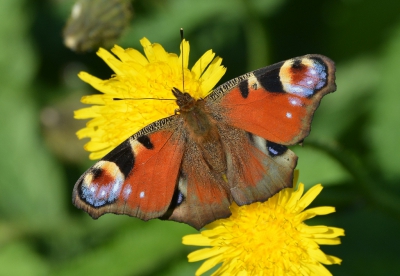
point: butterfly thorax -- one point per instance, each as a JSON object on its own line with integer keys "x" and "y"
{"x": 202, "y": 130}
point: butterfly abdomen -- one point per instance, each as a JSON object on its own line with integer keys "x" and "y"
{"x": 202, "y": 130}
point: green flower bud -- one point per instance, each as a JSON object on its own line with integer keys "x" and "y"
{"x": 95, "y": 23}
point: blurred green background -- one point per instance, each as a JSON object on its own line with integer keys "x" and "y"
{"x": 353, "y": 149}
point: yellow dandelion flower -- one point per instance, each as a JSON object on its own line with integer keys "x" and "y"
{"x": 268, "y": 238}
{"x": 132, "y": 98}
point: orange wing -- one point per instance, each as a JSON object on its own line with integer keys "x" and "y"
{"x": 277, "y": 102}
{"x": 258, "y": 168}
{"x": 138, "y": 178}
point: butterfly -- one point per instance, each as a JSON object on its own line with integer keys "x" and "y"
{"x": 229, "y": 146}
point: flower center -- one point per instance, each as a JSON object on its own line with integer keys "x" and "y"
{"x": 271, "y": 238}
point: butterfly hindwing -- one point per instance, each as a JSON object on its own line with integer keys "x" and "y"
{"x": 264, "y": 171}
{"x": 137, "y": 178}
{"x": 277, "y": 102}
{"x": 256, "y": 170}
{"x": 203, "y": 202}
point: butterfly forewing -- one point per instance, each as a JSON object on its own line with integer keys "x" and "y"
{"x": 137, "y": 178}
{"x": 277, "y": 102}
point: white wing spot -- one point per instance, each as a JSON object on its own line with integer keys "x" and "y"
{"x": 294, "y": 101}
{"x": 313, "y": 72}
{"x": 309, "y": 82}
{"x": 288, "y": 114}
{"x": 141, "y": 194}
{"x": 103, "y": 193}
{"x": 127, "y": 191}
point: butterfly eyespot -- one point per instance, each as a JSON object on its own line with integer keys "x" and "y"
{"x": 303, "y": 77}
{"x": 102, "y": 185}
{"x": 275, "y": 149}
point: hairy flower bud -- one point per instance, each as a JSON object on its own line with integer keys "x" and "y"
{"x": 96, "y": 23}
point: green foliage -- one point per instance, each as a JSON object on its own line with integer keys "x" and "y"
{"x": 353, "y": 149}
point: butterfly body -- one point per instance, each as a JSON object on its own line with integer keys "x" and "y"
{"x": 200, "y": 127}
{"x": 230, "y": 146}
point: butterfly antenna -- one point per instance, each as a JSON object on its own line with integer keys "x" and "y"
{"x": 183, "y": 73}
{"x": 137, "y": 99}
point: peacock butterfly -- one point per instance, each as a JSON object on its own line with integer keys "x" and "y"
{"x": 229, "y": 146}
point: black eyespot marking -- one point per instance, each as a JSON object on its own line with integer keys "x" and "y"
{"x": 123, "y": 157}
{"x": 177, "y": 199}
{"x": 244, "y": 88}
{"x": 275, "y": 149}
{"x": 320, "y": 62}
{"x": 145, "y": 141}
{"x": 297, "y": 64}
{"x": 270, "y": 79}
{"x": 178, "y": 196}
{"x": 250, "y": 136}
{"x": 79, "y": 189}
{"x": 96, "y": 172}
